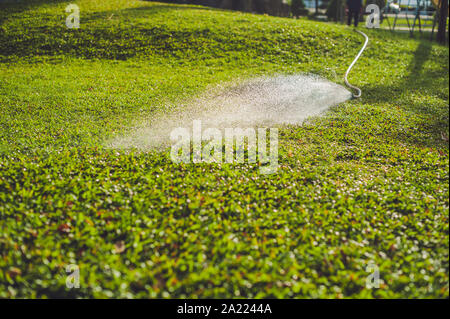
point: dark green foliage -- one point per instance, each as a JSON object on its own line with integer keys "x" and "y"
{"x": 335, "y": 10}
{"x": 298, "y": 8}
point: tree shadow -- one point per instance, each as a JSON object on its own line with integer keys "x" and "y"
{"x": 418, "y": 80}
{"x": 18, "y": 6}
{"x": 95, "y": 38}
{"x": 413, "y": 80}
{"x": 148, "y": 11}
{"x": 9, "y": 7}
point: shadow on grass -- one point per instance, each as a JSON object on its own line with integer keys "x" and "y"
{"x": 18, "y": 6}
{"x": 147, "y": 11}
{"x": 101, "y": 34}
{"x": 418, "y": 81}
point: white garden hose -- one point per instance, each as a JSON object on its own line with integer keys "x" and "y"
{"x": 357, "y": 95}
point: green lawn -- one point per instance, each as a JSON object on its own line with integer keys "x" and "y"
{"x": 426, "y": 23}
{"x": 367, "y": 182}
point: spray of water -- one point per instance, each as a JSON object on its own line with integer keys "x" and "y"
{"x": 261, "y": 102}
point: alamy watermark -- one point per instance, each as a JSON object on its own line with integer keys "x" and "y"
{"x": 373, "y": 19}
{"x": 218, "y": 146}
{"x": 373, "y": 280}
{"x": 73, "y": 277}
{"x": 73, "y": 19}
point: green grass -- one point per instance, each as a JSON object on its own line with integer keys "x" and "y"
{"x": 426, "y": 23}
{"x": 368, "y": 182}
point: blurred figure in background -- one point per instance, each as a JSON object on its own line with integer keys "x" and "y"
{"x": 354, "y": 8}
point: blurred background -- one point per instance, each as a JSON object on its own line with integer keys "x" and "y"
{"x": 413, "y": 16}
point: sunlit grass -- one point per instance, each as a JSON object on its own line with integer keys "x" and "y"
{"x": 366, "y": 182}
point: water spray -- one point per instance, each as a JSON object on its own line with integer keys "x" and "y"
{"x": 358, "y": 90}
{"x": 261, "y": 102}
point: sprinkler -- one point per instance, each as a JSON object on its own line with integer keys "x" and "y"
{"x": 358, "y": 90}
